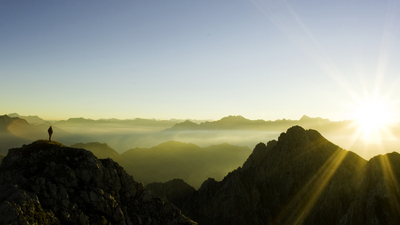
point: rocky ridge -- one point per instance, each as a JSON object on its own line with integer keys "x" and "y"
{"x": 48, "y": 183}
{"x": 301, "y": 178}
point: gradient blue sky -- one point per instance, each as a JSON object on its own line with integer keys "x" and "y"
{"x": 198, "y": 59}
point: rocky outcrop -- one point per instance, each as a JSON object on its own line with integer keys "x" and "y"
{"x": 301, "y": 178}
{"x": 48, "y": 183}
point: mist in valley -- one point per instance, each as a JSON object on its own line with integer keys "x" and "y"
{"x": 234, "y": 130}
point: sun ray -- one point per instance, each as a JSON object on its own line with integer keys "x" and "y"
{"x": 391, "y": 183}
{"x": 305, "y": 199}
{"x": 320, "y": 183}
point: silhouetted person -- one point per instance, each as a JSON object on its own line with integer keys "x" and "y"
{"x": 50, "y": 131}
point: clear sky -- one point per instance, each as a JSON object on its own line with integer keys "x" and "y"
{"x": 198, "y": 59}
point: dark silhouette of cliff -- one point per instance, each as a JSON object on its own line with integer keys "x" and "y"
{"x": 301, "y": 178}
{"x": 48, "y": 183}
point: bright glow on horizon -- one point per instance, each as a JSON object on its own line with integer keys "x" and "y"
{"x": 372, "y": 117}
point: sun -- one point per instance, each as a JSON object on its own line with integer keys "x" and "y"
{"x": 372, "y": 117}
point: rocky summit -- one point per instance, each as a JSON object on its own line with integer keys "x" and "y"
{"x": 48, "y": 183}
{"x": 301, "y": 178}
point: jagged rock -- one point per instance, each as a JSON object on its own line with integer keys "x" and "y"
{"x": 48, "y": 183}
{"x": 301, "y": 179}
{"x": 259, "y": 153}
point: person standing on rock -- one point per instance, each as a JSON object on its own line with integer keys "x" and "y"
{"x": 50, "y": 131}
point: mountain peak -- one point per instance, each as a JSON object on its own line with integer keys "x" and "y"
{"x": 187, "y": 124}
{"x": 306, "y": 118}
{"x": 13, "y": 115}
{"x": 297, "y": 135}
{"x": 233, "y": 118}
{"x": 30, "y": 119}
{"x": 6, "y": 120}
{"x": 295, "y": 130}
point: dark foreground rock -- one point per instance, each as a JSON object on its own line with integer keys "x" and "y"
{"x": 48, "y": 183}
{"x": 301, "y": 178}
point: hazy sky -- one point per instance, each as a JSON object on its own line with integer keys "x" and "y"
{"x": 198, "y": 59}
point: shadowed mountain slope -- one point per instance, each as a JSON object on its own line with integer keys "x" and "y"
{"x": 301, "y": 178}
{"x": 29, "y": 119}
{"x": 12, "y": 132}
{"x": 190, "y": 162}
{"x": 176, "y": 189}
{"x": 174, "y": 160}
{"x": 100, "y": 150}
{"x": 48, "y": 183}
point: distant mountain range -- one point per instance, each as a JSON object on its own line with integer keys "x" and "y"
{"x": 29, "y": 119}
{"x": 229, "y": 122}
{"x": 241, "y": 123}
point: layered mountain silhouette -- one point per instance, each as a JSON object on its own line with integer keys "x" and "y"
{"x": 241, "y": 123}
{"x": 123, "y": 135}
{"x": 190, "y": 162}
{"x": 48, "y": 183}
{"x": 29, "y": 119}
{"x": 139, "y": 122}
{"x": 173, "y": 159}
{"x": 301, "y": 178}
{"x": 100, "y": 150}
{"x": 12, "y": 133}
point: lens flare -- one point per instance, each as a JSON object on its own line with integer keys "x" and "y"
{"x": 372, "y": 118}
